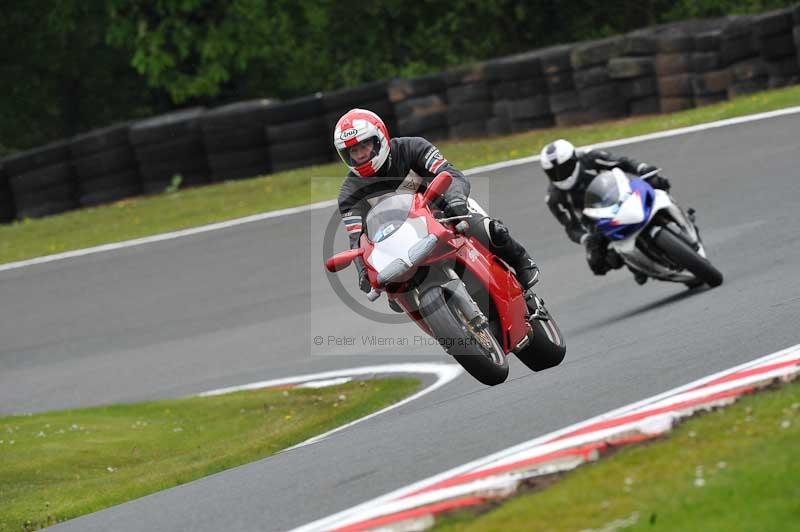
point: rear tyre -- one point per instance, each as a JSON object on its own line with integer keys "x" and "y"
{"x": 547, "y": 348}
{"x": 683, "y": 254}
{"x": 478, "y": 352}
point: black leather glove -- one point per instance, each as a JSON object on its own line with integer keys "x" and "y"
{"x": 456, "y": 206}
{"x": 594, "y": 243}
{"x": 659, "y": 182}
{"x": 363, "y": 279}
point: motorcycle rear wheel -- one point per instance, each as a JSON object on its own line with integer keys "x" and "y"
{"x": 547, "y": 348}
{"x": 683, "y": 254}
{"x": 489, "y": 364}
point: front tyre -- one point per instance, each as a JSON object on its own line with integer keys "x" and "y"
{"x": 478, "y": 351}
{"x": 683, "y": 255}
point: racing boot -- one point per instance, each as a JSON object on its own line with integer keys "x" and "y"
{"x": 511, "y": 251}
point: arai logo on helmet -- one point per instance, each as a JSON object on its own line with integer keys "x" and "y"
{"x": 350, "y": 133}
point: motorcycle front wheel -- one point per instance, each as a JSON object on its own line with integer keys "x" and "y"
{"x": 683, "y": 254}
{"x": 478, "y": 351}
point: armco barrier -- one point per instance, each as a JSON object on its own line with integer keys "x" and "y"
{"x": 656, "y": 69}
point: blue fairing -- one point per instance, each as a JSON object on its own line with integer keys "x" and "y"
{"x": 621, "y": 232}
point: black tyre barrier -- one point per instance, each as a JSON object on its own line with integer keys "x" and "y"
{"x": 250, "y": 114}
{"x": 786, "y": 67}
{"x": 469, "y": 112}
{"x": 636, "y": 44}
{"x": 556, "y": 59}
{"x": 752, "y": 68}
{"x": 383, "y": 108}
{"x": 474, "y": 92}
{"x": 563, "y": 102}
{"x": 630, "y": 67}
{"x": 774, "y": 82}
{"x": 636, "y": 89}
{"x": 227, "y": 140}
{"x": 671, "y": 105}
{"x": 402, "y": 89}
{"x": 528, "y": 124}
{"x": 644, "y": 106}
{"x": 108, "y": 188}
{"x": 355, "y": 96}
{"x": 593, "y": 53}
{"x": 710, "y": 99}
{"x": 677, "y": 85}
{"x": 773, "y": 23}
{"x": 710, "y": 83}
{"x": 300, "y": 150}
{"x": 778, "y": 46}
{"x": 468, "y": 129}
{"x": 176, "y": 150}
{"x": 47, "y": 155}
{"x": 220, "y": 163}
{"x": 300, "y": 130}
{"x": 104, "y": 162}
{"x": 704, "y": 61}
{"x": 572, "y": 118}
{"x": 415, "y": 125}
{"x": 46, "y": 202}
{"x": 521, "y": 66}
{"x": 560, "y": 82}
{"x": 185, "y": 123}
{"x": 498, "y": 126}
{"x": 529, "y": 108}
{"x": 668, "y": 44}
{"x": 466, "y": 74}
{"x": 590, "y": 77}
{"x": 99, "y": 140}
{"x": 157, "y": 176}
{"x": 7, "y": 210}
{"x": 736, "y": 49}
{"x": 747, "y": 86}
{"x": 708, "y": 41}
{"x": 420, "y": 106}
{"x": 594, "y": 96}
{"x": 518, "y": 89}
{"x": 41, "y": 178}
{"x": 668, "y": 64}
{"x": 294, "y": 110}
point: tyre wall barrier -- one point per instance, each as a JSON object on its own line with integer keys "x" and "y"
{"x": 656, "y": 69}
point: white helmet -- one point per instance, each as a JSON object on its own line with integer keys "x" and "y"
{"x": 356, "y": 126}
{"x": 560, "y": 163}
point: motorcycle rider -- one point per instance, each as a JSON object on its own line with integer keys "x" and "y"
{"x": 380, "y": 165}
{"x": 570, "y": 171}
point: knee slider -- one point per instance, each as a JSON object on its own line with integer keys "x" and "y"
{"x": 498, "y": 232}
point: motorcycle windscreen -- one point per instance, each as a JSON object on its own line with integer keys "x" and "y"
{"x": 605, "y": 194}
{"x": 399, "y": 244}
{"x": 388, "y": 215}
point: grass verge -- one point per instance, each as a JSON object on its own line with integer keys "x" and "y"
{"x": 144, "y": 216}
{"x": 734, "y": 469}
{"x": 59, "y": 465}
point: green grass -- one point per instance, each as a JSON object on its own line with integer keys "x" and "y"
{"x": 736, "y": 469}
{"x": 223, "y": 201}
{"x": 59, "y": 465}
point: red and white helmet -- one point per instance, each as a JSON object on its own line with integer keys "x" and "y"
{"x": 359, "y": 125}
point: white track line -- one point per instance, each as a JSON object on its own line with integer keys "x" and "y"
{"x": 366, "y": 508}
{"x": 444, "y": 373}
{"x": 331, "y": 203}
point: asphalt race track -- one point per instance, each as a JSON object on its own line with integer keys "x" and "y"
{"x": 243, "y": 304}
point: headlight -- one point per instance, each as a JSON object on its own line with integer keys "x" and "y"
{"x": 395, "y": 269}
{"x": 422, "y": 249}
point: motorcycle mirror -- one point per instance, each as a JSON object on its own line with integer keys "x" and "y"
{"x": 342, "y": 260}
{"x": 437, "y": 187}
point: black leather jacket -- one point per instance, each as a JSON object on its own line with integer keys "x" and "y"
{"x": 412, "y": 164}
{"x": 567, "y": 205}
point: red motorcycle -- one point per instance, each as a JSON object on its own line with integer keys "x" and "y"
{"x": 452, "y": 286}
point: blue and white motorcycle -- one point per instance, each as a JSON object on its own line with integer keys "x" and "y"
{"x": 651, "y": 233}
